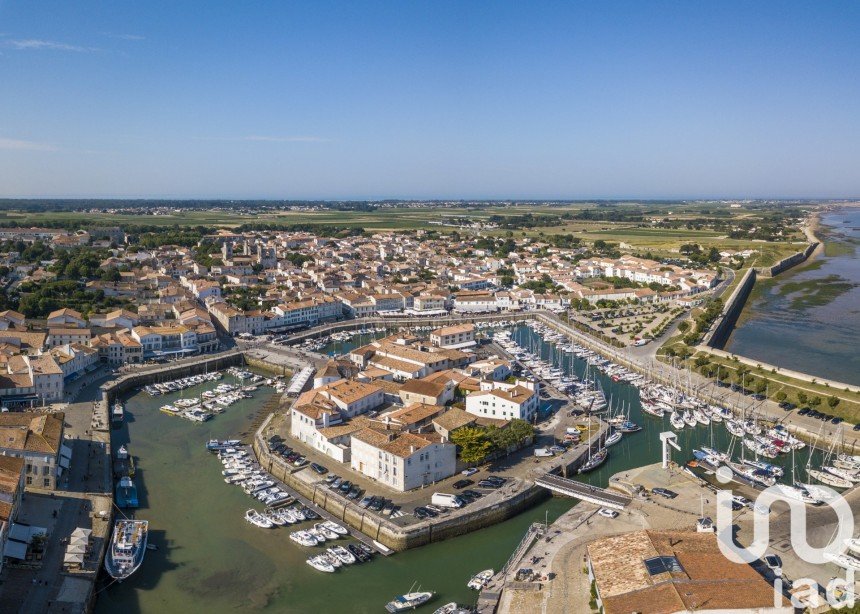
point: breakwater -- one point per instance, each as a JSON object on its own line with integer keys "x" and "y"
{"x": 170, "y": 371}
{"x": 720, "y": 331}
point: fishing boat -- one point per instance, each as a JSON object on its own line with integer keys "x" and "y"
{"x": 117, "y": 413}
{"x": 127, "y": 548}
{"x": 126, "y": 493}
{"x": 480, "y": 579}
{"x": 408, "y": 601}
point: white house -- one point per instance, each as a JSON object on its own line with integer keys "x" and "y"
{"x": 402, "y": 461}
{"x": 504, "y": 401}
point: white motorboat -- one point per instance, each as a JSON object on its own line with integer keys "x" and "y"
{"x": 344, "y": 556}
{"x": 325, "y": 531}
{"x": 258, "y": 520}
{"x": 853, "y": 545}
{"x": 321, "y": 563}
{"x": 480, "y": 579}
{"x": 304, "y": 538}
{"x": 408, "y": 601}
{"x": 614, "y": 438}
{"x": 845, "y": 561}
{"x": 335, "y": 527}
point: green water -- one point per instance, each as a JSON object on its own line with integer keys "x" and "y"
{"x": 211, "y": 560}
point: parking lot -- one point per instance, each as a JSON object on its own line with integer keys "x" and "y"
{"x": 475, "y": 489}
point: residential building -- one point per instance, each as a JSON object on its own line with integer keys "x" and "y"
{"x": 402, "y": 461}
{"x": 506, "y": 401}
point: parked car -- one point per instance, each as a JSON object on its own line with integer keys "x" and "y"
{"x": 469, "y": 471}
{"x": 487, "y": 484}
{"x": 336, "y": 483}
{"x": 462, "y": 484}
{"x": 365, "y": 501}
{"x": 345, "y": 486}
{"x": 421, "y": 513}
{"x": 774, "y": 563}
{"x": 558, "y": 449}
{"x": 836, "y": 420}
{"x": 472, "y": 493}
{"x": 331, "y": 477}
{"x": 496, "y": 479}
{"x": 803, "y": 411}
{"x": 857, "y": 427}
{"x": 319, "y": 468}
{"x": 354, "y": 492}
{"x": 607, "y": 513}
{"x": 664, "y": 492}
{"x": 377, "y": 505}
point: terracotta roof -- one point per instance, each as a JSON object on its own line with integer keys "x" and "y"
{"x": 453, "y": 419}
{"x": 41, "y": 432}
{"x": 704, "y": 578}
{"x": 424, "y": 388}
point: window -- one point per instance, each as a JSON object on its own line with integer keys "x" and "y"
{"x": 47, "y": 482}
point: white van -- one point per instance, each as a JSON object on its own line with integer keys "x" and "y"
{"x": 445, "y": 500}
{"x": 543, "y": 452}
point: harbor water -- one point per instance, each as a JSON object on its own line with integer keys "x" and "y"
{"x": 813, "y": 309}
{"x": 209, "y": 559}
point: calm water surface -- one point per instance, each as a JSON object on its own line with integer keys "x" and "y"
{"x": 211, "y": 560}
{"x": 820, "y": 339}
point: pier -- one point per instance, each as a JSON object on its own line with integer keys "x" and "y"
{"x": 584, "y": 492}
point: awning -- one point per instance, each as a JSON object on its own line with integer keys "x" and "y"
{"x": 25, "y": 532}
{"x": 76, "y": 549}
{"x": 15, "y": 549}
{"x": 64, "y": 462}
{"x": 71, "y": 558}
{"x": 81, "y": 533}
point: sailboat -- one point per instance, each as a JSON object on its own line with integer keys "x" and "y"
{"x": 677, "y": 421}
{"x": 825, "y": 477}
{"x": 594, "y": 460}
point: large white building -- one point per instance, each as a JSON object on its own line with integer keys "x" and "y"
{"x": 402, "y": 461}
{"x": 505, "y": 401}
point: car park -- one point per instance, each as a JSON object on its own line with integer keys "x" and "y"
{"x": 607, "y": 513}
{"x": 664, "y": 492}
{"x": 319, "y": 469}
{"x": 462, "y": 484}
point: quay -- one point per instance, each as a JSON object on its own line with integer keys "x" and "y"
{"x": 326, "y": 515}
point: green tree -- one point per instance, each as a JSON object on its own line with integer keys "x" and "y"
{"x": 802, "y": 398}
{"x": 780, "y": 396}
{"x": 832, "y": 402}
{"x": 473, "y": 442}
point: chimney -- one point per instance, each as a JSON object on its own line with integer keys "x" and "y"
{"x": 412, "y": 449}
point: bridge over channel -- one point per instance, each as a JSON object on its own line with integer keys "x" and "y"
{"x": 583, "y": 492}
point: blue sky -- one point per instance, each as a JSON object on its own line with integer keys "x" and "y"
{"x": 429, "y": 99}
